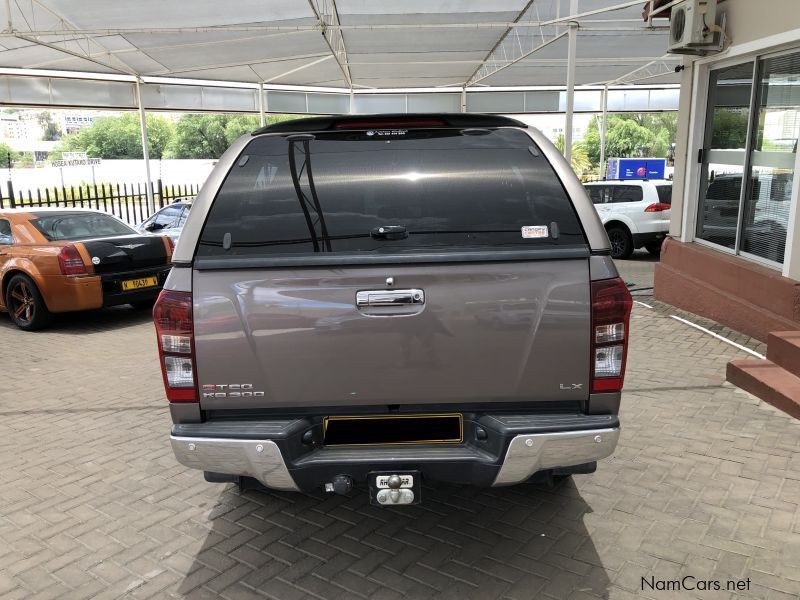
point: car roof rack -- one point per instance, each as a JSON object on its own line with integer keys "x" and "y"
{"x": 390, "y": 121}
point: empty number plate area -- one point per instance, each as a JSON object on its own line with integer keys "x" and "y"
{"x": 393, "y": 429}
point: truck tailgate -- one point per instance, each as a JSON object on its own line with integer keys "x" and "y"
{"x": 485, "y": 332}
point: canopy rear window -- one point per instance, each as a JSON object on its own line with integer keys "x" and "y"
{"x": 428, "y": 190}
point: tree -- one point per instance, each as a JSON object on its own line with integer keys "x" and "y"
{"x": 729, "y": 129}
{"x": 120, "y": 137}
{"x": 5, "y": 152}
{"x": 632, "y": 135}
{"x": 208, "y": 136}
{"x": 51, "y": 131}
{"x": 580, "y": 159}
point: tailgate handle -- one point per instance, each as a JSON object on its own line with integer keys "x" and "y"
{"x": 390, "y": 297}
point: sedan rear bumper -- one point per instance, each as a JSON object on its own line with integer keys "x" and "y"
{"x": 515, "y": 448}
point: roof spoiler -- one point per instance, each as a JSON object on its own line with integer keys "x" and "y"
{"x": 398, "y": 120}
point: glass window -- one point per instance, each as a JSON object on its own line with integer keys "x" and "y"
{"x": 627, "y": 193}
{"x": 184, "y": 215}
{"x": 5, "y": 232}
{"x": 598, "y": 193}
{"x": 724, "y": 149}
{"x": 440, "y": 188}
{"x": 168, "y": 217}
{"x": 78, "y": 225}
{"x": 664, "y": 194}
{"x": 769, "y": 190}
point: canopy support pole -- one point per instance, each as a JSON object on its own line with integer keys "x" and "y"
{"x": 571, "y": 58}
{"x": 261, "y": 104}
{"x": 603, "y": 126}
{"x": 151, "y": 205}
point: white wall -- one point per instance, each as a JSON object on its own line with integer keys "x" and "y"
{"x": 111, "y": 171}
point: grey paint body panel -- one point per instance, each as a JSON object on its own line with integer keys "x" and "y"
{"x": 487, "y": 332}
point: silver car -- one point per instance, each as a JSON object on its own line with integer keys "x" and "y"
{"x": 168, "y": 220}
{"x": 381, "y": 300}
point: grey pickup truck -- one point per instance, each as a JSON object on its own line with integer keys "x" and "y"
{"x": 382, "y": 300}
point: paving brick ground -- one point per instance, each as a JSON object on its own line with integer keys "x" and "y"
{"x": 705, "y": 482}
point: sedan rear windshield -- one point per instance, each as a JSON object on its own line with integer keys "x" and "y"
{"x": 389, "y": 191}
{"x": 78, "y": 226}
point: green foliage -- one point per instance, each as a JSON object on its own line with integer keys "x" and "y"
{"x": 5, "y": 150}
{"x": 120, "y": 137}
{"x": 632, "y": 135}
{"x": 729, "y": 129}
{"x": 52, "y": 132}
{"x": 208, "y": 136}
{"x": 580, "y": 159}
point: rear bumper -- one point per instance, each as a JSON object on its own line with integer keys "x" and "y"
{"x": 640, "y": 239}
{"x": 114, "y": 295}
{"x": 516, "y": 447}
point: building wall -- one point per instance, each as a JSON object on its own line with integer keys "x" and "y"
{"x": 748, "y": 22}
{"x": 751, "y": 20}
{"x": 701, "y": 278}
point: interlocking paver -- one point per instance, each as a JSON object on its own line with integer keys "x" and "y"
{"x": 705, "y": 482}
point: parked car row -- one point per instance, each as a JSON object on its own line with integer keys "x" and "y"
{"x": 55, "y": 260}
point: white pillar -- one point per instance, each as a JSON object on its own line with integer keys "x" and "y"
{"x": 463, "y": 100}
{"x": 791, "y": 260}
{"x": 261, "y": 118}
{"x": 572, "y": 48}
{"x": 603, "y": 129}
{"x": 151, "y": 204}
{"x": 352, "y": 108}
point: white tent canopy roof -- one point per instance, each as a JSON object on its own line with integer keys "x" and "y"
{"x": 351, "y": 44}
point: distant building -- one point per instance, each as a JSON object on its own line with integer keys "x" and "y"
{"x": 73, "y": 122}
{"x": 18, "y": 126}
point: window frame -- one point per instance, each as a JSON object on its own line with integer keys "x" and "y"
{"x": 702, "y": 130}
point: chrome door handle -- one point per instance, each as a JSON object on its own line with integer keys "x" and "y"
{"x": 390, "y": 297}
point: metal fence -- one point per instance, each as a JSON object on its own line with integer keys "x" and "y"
{"x": 128, "y": 201}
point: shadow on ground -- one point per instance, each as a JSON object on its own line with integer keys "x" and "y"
{"x": 91, "y": 321}
{"x": 461, "y": 542}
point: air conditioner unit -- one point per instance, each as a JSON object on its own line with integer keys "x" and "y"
{"x": 693, "y": 28}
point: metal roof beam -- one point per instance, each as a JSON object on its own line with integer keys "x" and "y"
{"x": 115, "y": 64}
{"x": 328, "y": 20}
{"x": 654, "y": 68}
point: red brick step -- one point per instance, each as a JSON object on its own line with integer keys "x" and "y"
{"x": 768, "y": 381}
{"x": 783, "y": 348}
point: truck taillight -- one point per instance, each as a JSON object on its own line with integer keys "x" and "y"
{"x": 172, "y": 315}
{"x": 611, "y": 311}
{"x": 658, "y": 207}
{"x": 70, "y": 261}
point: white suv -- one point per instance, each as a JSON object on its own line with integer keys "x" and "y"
{"x": 635, "y": 213}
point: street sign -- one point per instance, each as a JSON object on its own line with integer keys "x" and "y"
{"x": 75, "y": 159}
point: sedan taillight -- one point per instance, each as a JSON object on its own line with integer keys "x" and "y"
{"x": 658, "y": 207}
{"x": 173, "y": 318}
{"x": 611, "y": 311}
{"x": 70, "y": 261}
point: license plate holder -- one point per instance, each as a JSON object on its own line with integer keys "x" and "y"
{"x": 381, "y": 492}
{"x": 140, "y": 283}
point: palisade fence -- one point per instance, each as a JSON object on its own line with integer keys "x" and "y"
{"x": 128, "y": 201}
